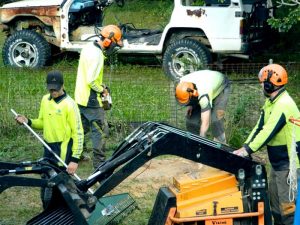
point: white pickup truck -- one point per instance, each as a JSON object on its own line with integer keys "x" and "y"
{"x": 195, "y": 32}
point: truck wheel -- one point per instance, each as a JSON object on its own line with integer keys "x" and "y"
{"x": 26, "y": 48}
{"x": 185, "y": 56}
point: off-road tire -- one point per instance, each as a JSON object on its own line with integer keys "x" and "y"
{"x": 183, "y": 57}
{"x": 26, "y": 48}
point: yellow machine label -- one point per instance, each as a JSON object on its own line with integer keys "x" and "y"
{"x": 227, "y": 210}
{"x": 219, "y": 222}
{"x": 202, "y": 212}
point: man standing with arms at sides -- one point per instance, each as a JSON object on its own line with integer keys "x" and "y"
{"x": 274, "y": 130}
{"x": 205, "y": 93}
{"x": 89, "y": 88}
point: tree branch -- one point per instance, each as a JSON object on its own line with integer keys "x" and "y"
{"x": 288, "y": 3}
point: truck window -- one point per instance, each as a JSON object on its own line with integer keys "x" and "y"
{"x": 193, "y": 2}
{"x": 217, "y": 3}
{"x": 205, "y": 2}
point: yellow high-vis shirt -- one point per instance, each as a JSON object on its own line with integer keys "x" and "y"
{"x": 61, "y": 124}
{"x": 209, "y": 85}
{"x": 90, "y": 76}
{"x": 274, "y": 130}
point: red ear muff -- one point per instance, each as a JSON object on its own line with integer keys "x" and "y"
{"x": 268, "y": 86}
{"x": 107, "y": 41}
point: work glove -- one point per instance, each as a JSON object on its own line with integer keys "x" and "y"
{"x": 106, "y": 98}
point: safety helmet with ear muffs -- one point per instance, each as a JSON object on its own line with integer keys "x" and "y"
{"x": 273, "y": 76}
{"x": 185, "y": 92}
{"x": 111, "y": 34}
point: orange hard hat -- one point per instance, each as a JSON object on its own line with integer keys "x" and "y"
{"x": 111, "y": 33}
{"x": 273, "y": 73}
{"x": 185, "y": 91}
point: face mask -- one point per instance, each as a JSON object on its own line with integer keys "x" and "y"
{"x": 266, "y": 94}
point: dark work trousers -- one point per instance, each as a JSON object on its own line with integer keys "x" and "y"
{"x": 219, "y": 104}
{"x": 93, "y": 119}
{"x": 282, "y": 209}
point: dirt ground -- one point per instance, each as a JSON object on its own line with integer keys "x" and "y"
{"x": 166, "y": 168}
{"x": 160, "y": 172}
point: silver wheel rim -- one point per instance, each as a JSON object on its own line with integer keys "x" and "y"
{"x": 185, "y": 62}
{"x": 24, "y": 54}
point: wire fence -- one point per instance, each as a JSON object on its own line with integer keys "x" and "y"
{"x": 140, "y": 94}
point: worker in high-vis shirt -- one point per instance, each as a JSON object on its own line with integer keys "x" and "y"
{"x": 90, "y": 89}
{"x": 205, "y": 93}
{"x": 274, "y": 131}
{"x": 59, "y": 118}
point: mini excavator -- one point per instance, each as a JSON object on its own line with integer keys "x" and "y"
{"x": 237, "y": 195}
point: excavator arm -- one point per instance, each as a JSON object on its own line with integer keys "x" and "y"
{"x": 155, "y": 139}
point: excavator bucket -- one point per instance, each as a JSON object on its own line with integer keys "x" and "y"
{"x": 65, "y": 203}
{"x": 70, "y": 206}
{"x": 112, "y": 209}
{"x": 109, "y": 210}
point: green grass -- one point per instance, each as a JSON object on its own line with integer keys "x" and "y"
{"x": 22, "y": 90}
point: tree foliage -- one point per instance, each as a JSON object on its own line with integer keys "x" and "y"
{"x": 288, "y": 16}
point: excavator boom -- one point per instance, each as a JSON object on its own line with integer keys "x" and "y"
{"x": 147, "y": 142}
